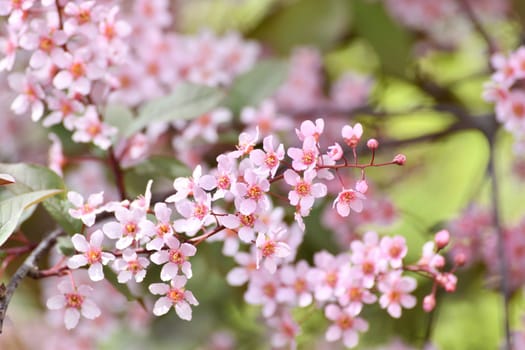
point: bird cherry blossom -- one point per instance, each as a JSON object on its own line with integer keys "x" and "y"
{"x": 176, "y": 295}
{"x": 349, "y": 199}
{"x": 91, "y": 254}
{"x": 131, "y": 266}
{"x": 174, "y": 259}
{"x": 75, "y": 301}
{"x": 346, "y": 325}
{"x": 271, "y": 248}
{"x": 396, "y": 291}
{"x": 88, "y": 210}
{"x": 304, "y": 191}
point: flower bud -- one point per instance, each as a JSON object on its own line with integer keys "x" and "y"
{"x": 372, "y": 144}
{"x": 399, "y": 159}
{"x": 460, "y": 259}
{"x": 442, "y": 238}
{"x": 429, "y": 302}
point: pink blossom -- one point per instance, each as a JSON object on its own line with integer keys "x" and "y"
{"x": 269, "y": 159}
{"x": 160, "y": 231}
{"x": 309, "y": 129}
{"x": 296, "y": 288}
{"x": 63, "y": 109}
{"x": 247, "y": 142}
{"x": 262, "y": 290}
{"x": 396, "y": 291}
{"x": 430, "y": 259}
{"x": 127, "y": 229}
{"x": 89, "y": 128}
{"x": 185, "y": 186}
{"x": 266, "y": 118}
{"x": 395, "y": 249}
{"x": 82, "y": 17}
{"x": 325, "y": 275}
{"x": 8, "y": 47}
{"x": 349, "y": 199}
{"x": 271, "y": 248}
{"x": 130, "y": 265}
{"x": 196, "y": 214}
{"x": 91, "y": 254}
{"x": 304, "y": 190}
{"x": 43, "y": 40}
{"x": 206, "y": 125}
{"x": 345, "y": 325}
{"x": 285, "y": 330}
{"x": 351, "y": 292}
{"x": 174, "y": 259}
{"x": 351, "y": 90}
{"x": 352, "y": 135}
{"x": 245, "y": 225}
{"x": 174, "y": 294}
{"x": 78, "y": 70}
{"x": 305, "y": 157}
{"x": 243, "y": 273}
{"x": 75, "y": 302}
{"x": 56, "y": 158}
{"x": 250, "y": 195}
{"x": 30, "y": 95}
{"x": 85, "y": 211}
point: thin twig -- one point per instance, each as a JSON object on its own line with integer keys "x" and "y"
{"x": 6, "y": 293}
{"x": 117, "y": 173}
{"x": 504, "y": 285}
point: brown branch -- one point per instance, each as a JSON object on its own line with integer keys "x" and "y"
{"x": 503, "y": 266}
{"x": 117, "y": 173}
{"x": 6, "y": 293}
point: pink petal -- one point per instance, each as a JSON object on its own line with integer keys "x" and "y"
{"x": 71, "y": 318}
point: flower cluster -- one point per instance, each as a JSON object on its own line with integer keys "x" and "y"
{"x": 506, "y": 92}
{"x": 371, "y": 271}
{"x": 475, "y": 240}
{"x": 232, "y": 203}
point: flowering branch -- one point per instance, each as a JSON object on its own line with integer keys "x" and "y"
{"x": 6, "y": 293}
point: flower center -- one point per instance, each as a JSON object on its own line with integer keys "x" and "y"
{"x": 308, "y": 157}
{"x": 300, "y": 285}
{"x": 347, "y": 196}
{"x": 176, "y": 295}
{"x": 331, "y": 279}
{"x": 74, "y": 300}
{"x": 302, "y": 188}
{"x": 77, "y": 69}
{"x": 224, "y": 182}
{"x": 394, "y": 251}
{"x": 368, "y": 267}
{"x": 518, "y": 109}
{"x": 84, "y": 16}
{"x": 131, "y": 228}
{"x": 134, "y": 266}
{"x": 177, "y": 257}
{"x": 200, "y": 211}
{"x": 355, "y": 293}
{"x": 271, "y": 160}
{"x": 93, "y": 256}
{"x": 268, "y": 249}
{"x": 46, "y": 44}
{"x": 162, "y": 230}
{"x": 269, "y": 290}
{"x": 254, "y": 192}
{"x": 345, "y": 322}
{"x": 247, "y": 220}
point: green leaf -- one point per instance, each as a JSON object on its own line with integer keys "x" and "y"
{"x": 118, "y": 116}
{"x": 252, "y": 87}
{"x": 187, "y": 101}
{"x": 11, "y": 210}
{"x": 306, "y": 22}
{"x": 391, "y": 42}
{"x": 164, "y": 166}
{"x": 65, "y": 246}
{"x": 31, "y": 177}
